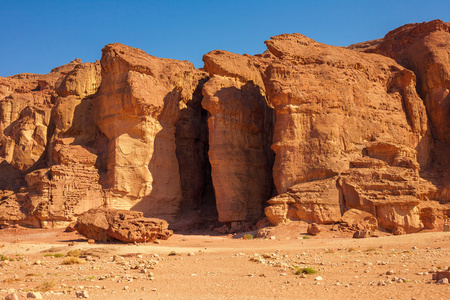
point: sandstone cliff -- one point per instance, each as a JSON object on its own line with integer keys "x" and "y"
{"x": 240, "y": 134}
{"x": 138, "y": 107}
{"x": 304, "y": 131}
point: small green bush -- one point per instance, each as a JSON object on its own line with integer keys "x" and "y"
{"x": 248, "y": 236}
{"x": 306, "y": 237}
{"x": 307, "y": 270}
{"x": 3, "y": 258}
{"x": 55, "y": 255}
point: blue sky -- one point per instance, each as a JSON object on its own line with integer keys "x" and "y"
{"x": 37, "y": 36}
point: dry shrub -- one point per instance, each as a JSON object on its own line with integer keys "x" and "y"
{"x": 48, "y": 286}
{"x": 71, "y": 260}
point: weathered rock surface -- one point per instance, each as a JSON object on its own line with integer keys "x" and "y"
{"x": 73, "y": 182}
{"x": 303, "y": 132}
{"x": 137, "y": 108}
{"x": 121, "y": 225}
{"x": 369, "y": 118}
{"x": 423, "y": 48}
{"x": 330, "y": 103}
{"x": 51, "y": 145}
{"x": 315, "y": 202}
{"x": 240, "y": 133}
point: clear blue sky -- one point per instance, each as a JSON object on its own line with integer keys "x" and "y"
{"x": 37, "y": 36}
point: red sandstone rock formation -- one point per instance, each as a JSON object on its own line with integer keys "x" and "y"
{"x": 318, "y": 133}
{"x": 423, "y": 48}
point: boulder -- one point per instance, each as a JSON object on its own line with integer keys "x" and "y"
{"x": 439, "y": 275}
{"x": 361, "y": 234}
{"x": 313, "y": 229}
{"x": 316, "y": 201}
{"x": 398, "y": 231}
{"x": 106, "y": 225}
{"x": 12, "y": 296}
{"x": 360, "y": 220}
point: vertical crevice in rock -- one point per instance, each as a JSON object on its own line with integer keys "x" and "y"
{"x": 192, "y": 145}
{"x": 268, "y": 131}
{"x": 208, "y": 207}
{"x": 190, "y": 140}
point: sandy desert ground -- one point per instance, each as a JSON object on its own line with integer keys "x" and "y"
{"x": 208, "y": 266}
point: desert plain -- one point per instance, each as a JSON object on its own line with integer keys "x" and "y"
{"x": 205, "y": 265}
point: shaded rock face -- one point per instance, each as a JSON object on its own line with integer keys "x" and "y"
{"x": 304, "y": 131}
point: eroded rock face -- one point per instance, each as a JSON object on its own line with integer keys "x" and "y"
{"x": 240, "y": 132}
{"x": 73, "y": 183}
{"x": 390, "y": 193}
{"x": 25, "y": 113}
{"x": 350, "y": 132}
{"x": 330, "y": 103}
{"x": 51, "y": 144}
{"x": 137, "y": 108}
{"x": 423, "y": 48}
{"x": 360, "y": 220}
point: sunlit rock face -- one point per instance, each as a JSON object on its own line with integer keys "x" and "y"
{"x": 137, "y": 107}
